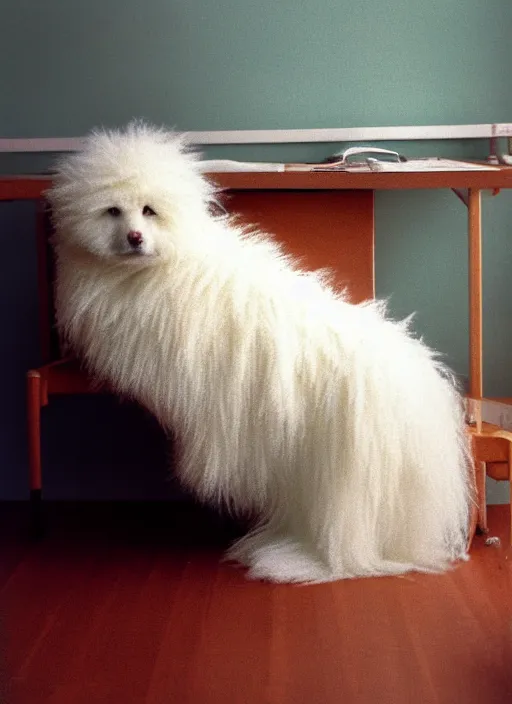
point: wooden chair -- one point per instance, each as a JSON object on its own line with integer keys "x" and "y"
{"x": 57, "y": 376}
{"x": 343, "y": 223}
{"x": 492, "y": 456}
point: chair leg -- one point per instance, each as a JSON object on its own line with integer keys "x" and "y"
{"x": 480, "y": 472}
{"x": 473, "y": 524}
{"x": 34, "y": 451}
{"x": 510, "y": 488}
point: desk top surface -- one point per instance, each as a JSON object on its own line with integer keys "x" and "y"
{"x": 30, "y": 187}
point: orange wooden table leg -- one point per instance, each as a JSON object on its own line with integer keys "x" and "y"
{"x": 34, "y": 450}
{"x": 475, "y": 336}
{"x": 475, "y": 297}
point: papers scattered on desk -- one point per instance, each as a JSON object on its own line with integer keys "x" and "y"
{"x": 411, "y": 165}
{"x": 367, "y": 165}
{"x": 428, "y": 164}
{"x": 369, "y": 159}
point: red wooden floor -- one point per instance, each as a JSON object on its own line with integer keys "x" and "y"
{"x": 110, "y": 610}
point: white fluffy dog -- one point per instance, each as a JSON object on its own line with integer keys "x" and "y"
{"x": 329, "y": 423}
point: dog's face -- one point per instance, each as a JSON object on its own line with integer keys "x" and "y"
{"x": 129, "y": 197}
{"x": 126, "y": 223}
{"x": 131, "y": 229}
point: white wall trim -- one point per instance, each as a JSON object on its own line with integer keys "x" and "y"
{"x": 345, "y": 134}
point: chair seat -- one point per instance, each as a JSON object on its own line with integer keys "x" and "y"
{"x": 63, "y": 377}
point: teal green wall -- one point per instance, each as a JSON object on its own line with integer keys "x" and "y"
{"x": 66, "y": 66}
{"x": 235, "y": 64}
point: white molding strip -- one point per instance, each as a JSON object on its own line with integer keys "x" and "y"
{"x": 354, "y": 134}
{"x": 41, "y": 144}
{"x": 344, "y": 134}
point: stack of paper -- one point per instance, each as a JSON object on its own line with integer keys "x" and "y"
{"x": 428, "y": 164}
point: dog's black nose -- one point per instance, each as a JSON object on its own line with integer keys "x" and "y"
{"x": 134, "y": 239}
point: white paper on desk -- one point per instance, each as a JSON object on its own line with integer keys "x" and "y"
{"x": 229, "y": 166}
{"x": 428, "y": 164}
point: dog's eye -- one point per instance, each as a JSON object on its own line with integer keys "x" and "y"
{"x": 147, "y": 210}
{"x": 115, "y": 212}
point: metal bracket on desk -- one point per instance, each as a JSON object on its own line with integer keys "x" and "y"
{"x": 463, "y": 194}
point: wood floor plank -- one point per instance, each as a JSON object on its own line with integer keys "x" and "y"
{"x": 107, "y": 616}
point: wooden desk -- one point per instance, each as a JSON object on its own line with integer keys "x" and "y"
{"x": 326, "y": 218}
{"x": 30, "y": 187}
{"x": 271, "y": 200}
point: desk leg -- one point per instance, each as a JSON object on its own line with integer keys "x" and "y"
{"x": 475, "y": 335}
{"x": 475, "y": 296}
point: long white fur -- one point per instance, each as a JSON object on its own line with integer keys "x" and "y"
{"x": 337, "y": 429}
